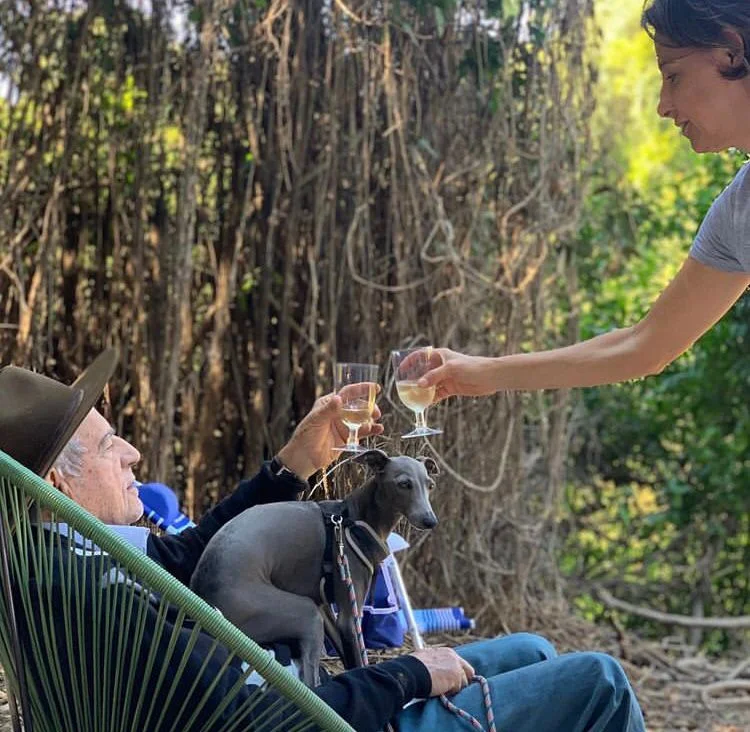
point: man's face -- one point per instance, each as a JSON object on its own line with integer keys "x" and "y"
{"x": 105, "y": 486}
{"x": 708, "y": 108}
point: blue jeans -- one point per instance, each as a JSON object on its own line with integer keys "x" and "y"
{"x": 535, "y": 690}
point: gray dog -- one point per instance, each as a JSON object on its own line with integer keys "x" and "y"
{"x": 267, "y": 568}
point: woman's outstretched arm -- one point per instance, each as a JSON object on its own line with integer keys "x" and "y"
{"x": 696, "y": 298}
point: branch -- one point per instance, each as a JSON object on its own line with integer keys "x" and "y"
{"x": 709, "y": 692}
{"x": 684, "y": 621}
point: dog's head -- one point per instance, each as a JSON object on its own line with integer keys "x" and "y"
{"x": 405, "y": 484}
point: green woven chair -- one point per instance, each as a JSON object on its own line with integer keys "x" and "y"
{"x": 121, "y": 683}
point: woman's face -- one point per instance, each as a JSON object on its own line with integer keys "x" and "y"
{"x": 712, "y": 112}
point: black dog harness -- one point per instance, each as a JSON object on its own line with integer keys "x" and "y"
{"x": 361, "y": 543}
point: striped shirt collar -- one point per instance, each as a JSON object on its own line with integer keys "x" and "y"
{"x": 136, "y": 536}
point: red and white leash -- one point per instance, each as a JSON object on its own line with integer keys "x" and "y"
{"x": 346, "y": 577}
{"x": 466, "y": 716}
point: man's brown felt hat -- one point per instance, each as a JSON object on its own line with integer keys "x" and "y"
{"x": 39, "y": 415}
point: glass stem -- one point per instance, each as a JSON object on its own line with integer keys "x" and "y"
{"x": 420, "y": 420}
{"x": 353, "y": 436}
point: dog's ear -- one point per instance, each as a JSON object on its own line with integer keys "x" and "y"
{"x": 433, "y": 469}
{"x": 376, "y": 459}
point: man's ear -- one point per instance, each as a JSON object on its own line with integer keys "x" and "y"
{"x": 56, "y": 479}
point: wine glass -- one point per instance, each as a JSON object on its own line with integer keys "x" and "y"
{"x": 409, "y": 366}
{"x": 357, "y": 385}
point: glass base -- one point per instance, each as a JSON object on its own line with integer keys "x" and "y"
{"x": 422, "y": 432}
{"x": 350, "y": 448}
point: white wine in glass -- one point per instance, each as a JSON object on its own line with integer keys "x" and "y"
{"x": 409, "y": 366}
{"x": 416, "y": 397}
{"x": 357, "y": 385}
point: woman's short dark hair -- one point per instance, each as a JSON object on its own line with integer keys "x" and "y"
{"x": 700, "y": 24}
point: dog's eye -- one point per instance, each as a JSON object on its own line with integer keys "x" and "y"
{"x": 405, "y": 484}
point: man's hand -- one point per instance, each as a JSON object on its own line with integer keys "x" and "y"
{"x": 449, "y": 672}
{"x": 460, "y": 375}
{"x": 311, "y": 447}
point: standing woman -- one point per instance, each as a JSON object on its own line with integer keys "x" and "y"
{"x": 703, "y": 52}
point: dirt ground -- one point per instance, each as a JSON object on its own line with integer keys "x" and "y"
{"x": 678, "y": 691}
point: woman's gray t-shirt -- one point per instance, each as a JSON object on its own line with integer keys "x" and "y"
{"x": 723, "y": 240}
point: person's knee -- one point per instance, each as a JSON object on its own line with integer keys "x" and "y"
{"x": 607, "y": 678}
{"x": 599, "y": 691}
{"x": 532, "y": 648}
{"x": 506, "y": 653}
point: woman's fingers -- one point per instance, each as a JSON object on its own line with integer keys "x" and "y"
{"x": 441, "y": 392}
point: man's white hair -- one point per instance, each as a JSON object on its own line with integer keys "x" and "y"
{"x": 70, "y": 461}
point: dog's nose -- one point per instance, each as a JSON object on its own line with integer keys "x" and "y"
{"x": 430, "y": 522}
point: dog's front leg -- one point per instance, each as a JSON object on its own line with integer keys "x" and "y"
{"x": 347, "y": 628}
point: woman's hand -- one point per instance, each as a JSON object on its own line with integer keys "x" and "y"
{"x": 457, "y": 374}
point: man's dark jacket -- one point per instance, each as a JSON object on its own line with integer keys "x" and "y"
{"x": 367, "y": 698}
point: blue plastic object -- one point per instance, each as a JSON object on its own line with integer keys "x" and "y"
{"x": 161, "y": 507}
{"x": 382, "y": 627}
{"x": 441, "y": 619}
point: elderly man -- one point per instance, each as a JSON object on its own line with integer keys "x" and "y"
{"x": 55, "y": 431}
